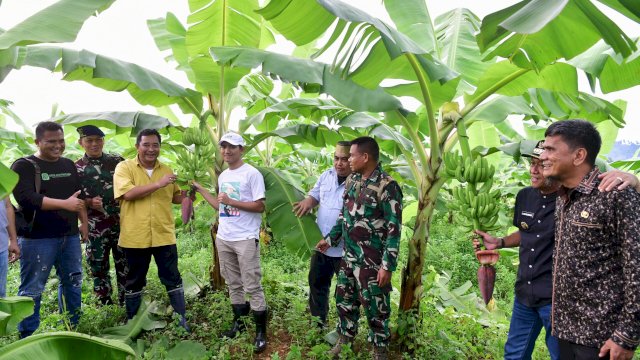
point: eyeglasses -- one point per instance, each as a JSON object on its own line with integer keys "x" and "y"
{"x": 535, "y": 163}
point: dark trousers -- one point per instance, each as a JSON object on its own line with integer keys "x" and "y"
{"x": 571, "y": 351}
{"x": 321, "y": 272}
{"x": 166, "y": 258}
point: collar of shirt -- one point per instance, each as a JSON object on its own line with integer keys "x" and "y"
{"x": 374, "y": 177}
{"x": 89, "y": 160}
{"x": 589, "y": 182}
{"x": 155, "y": 166}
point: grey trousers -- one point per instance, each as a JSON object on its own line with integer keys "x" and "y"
{"x": 240, "y": 267}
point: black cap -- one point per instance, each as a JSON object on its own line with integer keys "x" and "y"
{"x": 535, "y": 151}
{"x": 89, "y": 130}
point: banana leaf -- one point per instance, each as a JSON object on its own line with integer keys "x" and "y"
{"x": 144, "y": 320}
{"x": 13, "y": 308}
{"x": 299, "y": 234}
{"x": 59, "y": 23}
{"x": 121, "y": 121}
{"x": 8, "y": 179}
{"x": 65, "y": 345}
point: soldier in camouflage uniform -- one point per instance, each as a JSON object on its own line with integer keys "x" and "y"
{"x": 96, "y": 169}
{"x": 370, "y": 224}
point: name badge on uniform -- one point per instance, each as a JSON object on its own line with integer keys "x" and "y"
{"x": 524, "y": 225}
{"x": 584, "y": 214}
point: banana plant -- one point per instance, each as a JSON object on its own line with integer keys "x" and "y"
{"x": 437, "y": 63}
{"x": 66, "y": 345}
{"x": 280, "y": 196}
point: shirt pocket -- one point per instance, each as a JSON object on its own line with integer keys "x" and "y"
{"x": 586, "y": 235}
{"x": 587, "y": 225}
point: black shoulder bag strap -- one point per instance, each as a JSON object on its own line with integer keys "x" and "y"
{"x": 36, "y": 181}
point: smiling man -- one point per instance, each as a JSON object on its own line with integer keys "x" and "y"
{"x": 240, "y": 202}
{"x": 96, "y": 170}
{"x": 596, "y": 290}
{"x": 146, "y": 189}
{"x": 48, "y": 194}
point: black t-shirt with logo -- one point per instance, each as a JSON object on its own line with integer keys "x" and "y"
{"x": 534, "y": 217}
{"x": 59, "y": 180}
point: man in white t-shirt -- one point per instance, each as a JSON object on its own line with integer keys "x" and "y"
{"x": 239, "y": 202}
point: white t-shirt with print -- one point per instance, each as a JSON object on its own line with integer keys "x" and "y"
{"x": 243, "y": 184}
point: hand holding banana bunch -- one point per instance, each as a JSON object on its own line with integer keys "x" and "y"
{"x": 476, "y": 208}
{"x": 195, "y": 166}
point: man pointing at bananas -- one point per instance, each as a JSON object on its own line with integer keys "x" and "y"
{"x": 534, "y": 218}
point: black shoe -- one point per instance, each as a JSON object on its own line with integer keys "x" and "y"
{"x": 260, "y": 342}
{"x": 239, "y": 311}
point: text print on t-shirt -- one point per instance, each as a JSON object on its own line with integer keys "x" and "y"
{"x": 232, "y": 189}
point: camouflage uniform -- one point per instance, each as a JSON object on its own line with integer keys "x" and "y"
{"x": 370, "y": 222}
{"x": 96, "y": 177}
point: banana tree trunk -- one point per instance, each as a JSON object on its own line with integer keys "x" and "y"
{"x": 216, "y": 281}
{"x": 412, "y": 287}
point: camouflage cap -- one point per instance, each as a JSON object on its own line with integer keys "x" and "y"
{"x": 90, "y": 130}
{"x": 535, "y": 151}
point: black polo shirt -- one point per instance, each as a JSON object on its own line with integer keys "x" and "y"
{"x": 534, "y": 217}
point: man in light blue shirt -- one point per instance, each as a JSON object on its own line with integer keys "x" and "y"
{"x": 327, "y": 193}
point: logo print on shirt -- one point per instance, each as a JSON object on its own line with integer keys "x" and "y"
{"x": 232, "y": 189}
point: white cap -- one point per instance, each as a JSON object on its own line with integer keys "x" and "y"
{"x": 232, "y": 138}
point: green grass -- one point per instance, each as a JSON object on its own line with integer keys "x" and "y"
{"x": 445, "y": 333}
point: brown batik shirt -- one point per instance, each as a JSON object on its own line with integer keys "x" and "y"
{"x": 596, "y": 290}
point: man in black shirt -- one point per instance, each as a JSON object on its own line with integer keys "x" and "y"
{"x": 534, "y": 218}
{"x": 48, "y": 194}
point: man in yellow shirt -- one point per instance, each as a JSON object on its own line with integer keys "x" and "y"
{"x": 146, "y": 189}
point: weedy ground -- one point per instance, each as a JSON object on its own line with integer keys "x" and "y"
{"x": 465, "y": 331}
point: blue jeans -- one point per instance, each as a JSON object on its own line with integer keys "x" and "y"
{"x": 4, "y": 266}
{"x": 526, "y": 323}
{"x": 37, "y": 257}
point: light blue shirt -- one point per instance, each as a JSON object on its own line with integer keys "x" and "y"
{"x": 329, "y": 194}
{"x": 4, "y": 235}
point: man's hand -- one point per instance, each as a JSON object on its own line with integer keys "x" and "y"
{"x": 84, "y": 232}
{"x": 322, "y": 245}
{"x": 490, "y": 243}
{"x": 303, "y": 207}
{"x": 72, "y": 203}
{"x": 95, "y": 203}
{"x": 199, "y": 188}
{"x": 616, "y": 179}
{"x": 223, "y": 198}
{"x": 384, "y": 277}
{"x": 14, "y": 251}
{"x": 616, "y": 352}
{"x": 166, "y": 180}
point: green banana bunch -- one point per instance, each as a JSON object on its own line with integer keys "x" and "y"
{"x": 452, "y": 162}
{"x": 195, "y": 163}
{"x": 475, "y": 206}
